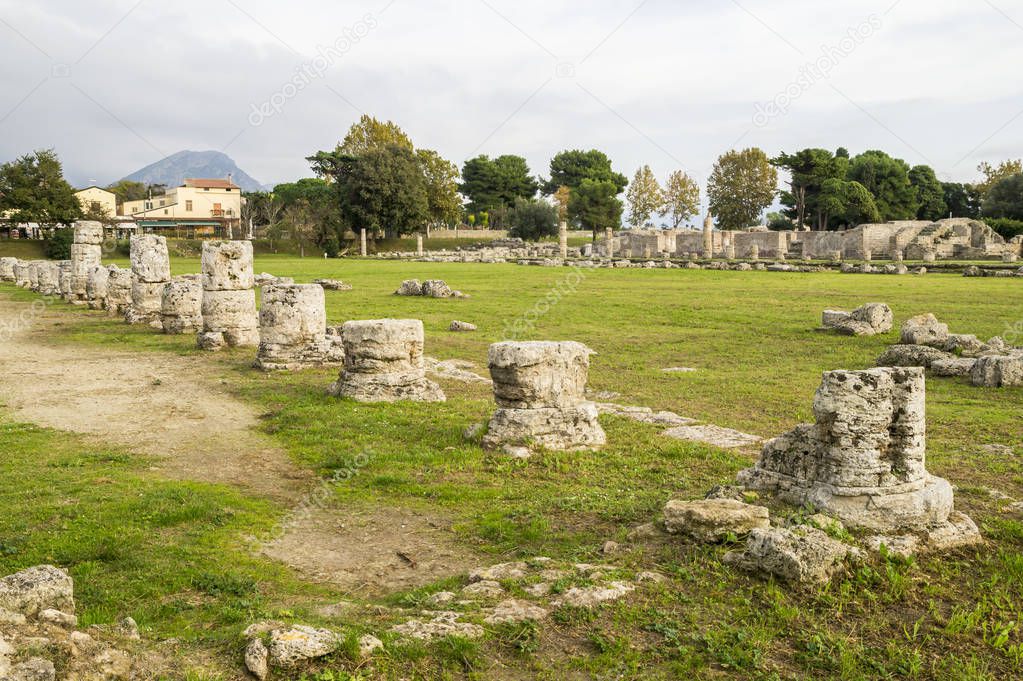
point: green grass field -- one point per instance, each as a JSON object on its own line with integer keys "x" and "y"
{"x": 175, "y": 555}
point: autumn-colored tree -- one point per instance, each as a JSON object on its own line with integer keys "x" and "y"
{"x": 994, "y": 174}
{"x": 562, "y": 198}
{"x": 681, "y": 198}
{"x": 645, "y": 197}
{"x": 741, "y": 185}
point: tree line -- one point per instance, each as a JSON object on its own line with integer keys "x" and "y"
{"x": 377, "y": 179}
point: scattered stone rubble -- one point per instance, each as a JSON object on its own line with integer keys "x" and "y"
{"x": 540, "y": 390}
{"x": 926, "y": 342}
{"x": 863, "y": 459}
{"x": 293, "y": 329}
{"x": 383, "y": 362}
{"x": 228, "y": 297}
{"x": 38, "y": 627}
{"x": 432, "y": 288}
{"x": 868, "y": 320}
{"x": 150, "y": 272}
{"x": 333, "y": 284}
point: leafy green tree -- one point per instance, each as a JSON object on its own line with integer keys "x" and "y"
{"x": 778, "y": 222}
{"x": 993, "y": 174}
{"x": 645, "y": 197}
{"x": 929, "y": 193}
{"x": 887, "y": 179}
{"x": 741, "y": 185}
{"x": 681, "y": 198}
{"x": 846, "y": 204}
{"x": 571, "y": 168}
{"x": 57, "y": 246}
{"x": 594, "y": 204}
{"x": 385, "y": 191}
{"x": 369, "y": 133}
{"x": 490, "y": 183}
{"x": 1005, "y": 198}
{"x": 962, "y": 200}
{"x": 808, "y": 170}
{"x": 308, "y": 209}
{"x": 533, "y": 219}
{"x": 128, "y": 190}
{"x": 441, "y": 177}
{"x": 33, "y": 189}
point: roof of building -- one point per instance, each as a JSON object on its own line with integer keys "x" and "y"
{"x": 92, "y": 186}
{"x": 203, "y": 183}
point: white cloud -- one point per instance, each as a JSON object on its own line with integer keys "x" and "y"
{"x": 673, "y": 84}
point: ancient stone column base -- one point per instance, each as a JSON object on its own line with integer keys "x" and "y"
{"x": 568, "y": 428}
{"x": 177, "y": 325}
{"x": 210, "y": 340}
{"x": 410, "y": 387}
{"x": 326, "y": 352}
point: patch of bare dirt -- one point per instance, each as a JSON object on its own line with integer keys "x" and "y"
{"x": 166, "y": 407}
{"x": 372, "y": 550}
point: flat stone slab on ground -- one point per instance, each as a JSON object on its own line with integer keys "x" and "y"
{"x": 714, "y": 435}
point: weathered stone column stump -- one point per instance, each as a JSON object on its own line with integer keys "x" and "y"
{"x": 150, "y": 272}
{"x": 384, "y": 363}
{"x": 539, "y": 388}
{"x": 7, "y": 268}
{"x": 97, "y": 286}
{"x": 228, "y": 297}
{"x": 181, "y": 306}
{"x": 293, "y": 329}
{"x": 118, "y": 291}
{"x": 86, "y": 253}
{"x": 863, "y": 459}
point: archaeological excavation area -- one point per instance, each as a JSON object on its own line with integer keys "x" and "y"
{"x": 747, "y": 458}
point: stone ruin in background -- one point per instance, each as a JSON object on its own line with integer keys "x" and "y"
{"x": 863, "y": 460}
{"x": 228, "y": 297}
{"x": 540, "y": 391}
{"x": 926, "y": 342}
{"x": 384, "y": 362}
{"x": 150, "y": 272}
{"x": 293, "y": 329}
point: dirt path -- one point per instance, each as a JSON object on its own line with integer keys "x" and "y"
{"x": 164, "y": 406}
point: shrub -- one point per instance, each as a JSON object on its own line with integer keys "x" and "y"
{"x": 533, "y": 219}
{"x": 1007, "y": 227}
{"x": 58, "y": 246}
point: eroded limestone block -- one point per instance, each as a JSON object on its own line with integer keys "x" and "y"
{"x": 863, "y": 460}
{"x": 39, "y": 588}
{"x": 293, "y": 329}
{"x": 96, "y": 287}
{"x": 48, "y": 278}
{"x": 229, "y": 315}
{"x": 924, "y": 329}
{"x": 21, "y": 270}
{"x": 998, "y": 371}
{"x": 540, "y": 389}
{"x": 801, "y": 554}
{"x": 7, "y": 268}
{"x": 150, "y": 261}
{"x": 383, "y": 362}
{"x": 118, "y": 291}
{"x": 181, "y": 307}
{"x": 713, "y": 520}
{"x": 539, "y": 373}
{"x": 88, "y": 232}
{"x": 912, "y": 356}
{"x": 227, "y": 266}
{"x": 146, "y": 302}
{"x": 65, "y": 278}
{"x": 866, "y": 320}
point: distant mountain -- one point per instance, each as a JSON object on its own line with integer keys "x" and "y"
{"x": 173, "y": 170}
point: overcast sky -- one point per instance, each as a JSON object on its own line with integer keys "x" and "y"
{"x": 114, "y": 85}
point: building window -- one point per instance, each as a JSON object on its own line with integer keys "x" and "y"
{"x": 188, "y": 206}
{"x": 95, "y": 206}
{"x": 162, "y": 202}
{"x": 165, "y": 211}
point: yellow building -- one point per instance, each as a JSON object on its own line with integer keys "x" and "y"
{"x": 96, "y": 199}
{"x": 197, "y": 205}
